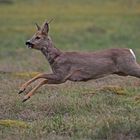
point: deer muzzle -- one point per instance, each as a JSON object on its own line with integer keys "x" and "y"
{"x": 29, "y": 44}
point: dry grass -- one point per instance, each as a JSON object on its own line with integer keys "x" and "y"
{"x": 103, "y": 109}
{"x": 90, "y": 110}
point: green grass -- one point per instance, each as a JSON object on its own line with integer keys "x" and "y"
{"x": 72, "y": 111}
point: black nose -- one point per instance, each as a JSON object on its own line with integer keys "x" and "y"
{"x": 28, "y": 42}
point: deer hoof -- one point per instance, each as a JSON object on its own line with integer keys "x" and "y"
{"x": 21, "y": 91}
{"x": 25, "y": 99}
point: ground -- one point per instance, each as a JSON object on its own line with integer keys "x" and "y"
{"x": 102, "y": 109}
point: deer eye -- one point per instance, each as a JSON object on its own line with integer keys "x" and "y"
{"x": 37, "y": 37}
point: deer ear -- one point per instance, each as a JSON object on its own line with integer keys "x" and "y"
{"x": 45, "y": 28}
{"x": 37, "y": 26}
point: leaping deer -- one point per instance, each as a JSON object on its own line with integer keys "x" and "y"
{"x": 78, "y": 66}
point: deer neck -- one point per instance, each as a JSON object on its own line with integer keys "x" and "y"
{"x": 50, "y": 52}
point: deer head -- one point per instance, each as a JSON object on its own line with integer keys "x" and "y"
{"x": 40, "y": 39}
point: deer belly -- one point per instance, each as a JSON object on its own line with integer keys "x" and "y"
{"x": 88, "y": 73}
{"x": 80, "y": 76}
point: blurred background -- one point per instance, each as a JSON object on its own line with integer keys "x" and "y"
{"x": 83, "y": 25}
{"x": 102, "y": 109}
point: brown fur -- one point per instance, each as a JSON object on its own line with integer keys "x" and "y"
{"x": 78, "y": 66}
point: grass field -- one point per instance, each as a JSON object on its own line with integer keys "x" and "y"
{"x": 103, "y": 109}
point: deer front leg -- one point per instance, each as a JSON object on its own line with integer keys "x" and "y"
{"x": 23, "y": 87}
{"x": 48, "y": 79}
{"x": 33, "y": 90}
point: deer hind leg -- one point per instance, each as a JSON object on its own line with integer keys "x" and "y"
{"x": 132, "y": 69}
{"x": 24, "y": 86}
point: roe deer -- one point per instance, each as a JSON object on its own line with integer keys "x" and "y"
{"x": 78, "y": 66}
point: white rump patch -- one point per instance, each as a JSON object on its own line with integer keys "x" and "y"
{"x": 132, "y": 53}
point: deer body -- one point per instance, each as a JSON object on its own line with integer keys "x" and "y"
{"x": 79, "y": 66}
